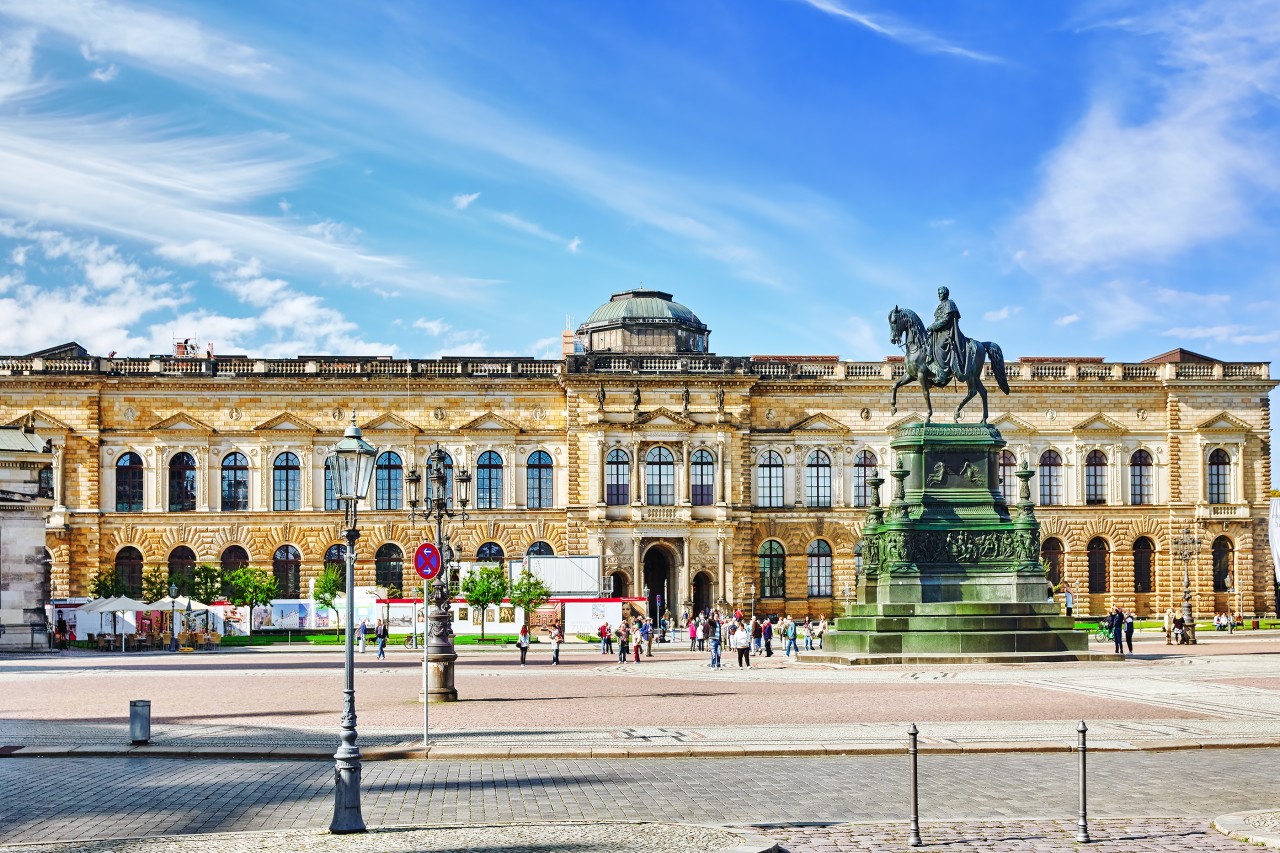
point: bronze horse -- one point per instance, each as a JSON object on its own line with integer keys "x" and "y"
{"x": 906, "y": 323}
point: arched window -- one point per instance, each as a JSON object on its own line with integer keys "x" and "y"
{"x": 1051, "y": 554}
{"x": 330, "y": 493}
{"x": 538, "y": 481}
{"x": 389, "y": 481}
{"x": 129, "y": 570}
{"x": 1140, "y": 478}
{"x": 539, "y": 549}
{"x": 182, "y": 562}
{"x": 773, "y": 570}
{"x": 388, "y": 567}
{"x": 863, "y": 464}
{"x": 1143, "y": 561}
{"x": 182, "y": 483}
{"x": 1008, "y": 480}
{"x": 233, "y": 559}
{"x": 702, "y": 478}
{"x": 1223, "y": 564}
{"x": 129, "y": 483}
{"x": 769, "y": 479}
{"x": 286, "y": 483}
{"x": 489, "y": 552}
{"x": 1050, "y": 478}
{"x": 817, "y": 479}
{"x": 660, "y": 477}
{"x": 336, "y": 558}
{"x": 617, "y": 478}
{"x": 1219, "y": 477}
{"x": 286, "y": 566}
{"x": 1095, "y": 478}
{"x": 819, "y": 569}
{"x": 1099, "y": 557}
{"x": 489, "y": 481}
{"x": 235, "y": 483}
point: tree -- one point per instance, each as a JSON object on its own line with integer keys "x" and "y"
{"x": 251, "y": 587}
{"x": 329, "y": 586}
{"x": 206, "y": 583}
{"x": 107, "y": 583}
{"x": 484, "y": 587}
{"x": 529, "y": 593}
{"x": 155, "y": 583}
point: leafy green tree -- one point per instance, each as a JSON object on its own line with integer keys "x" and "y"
{"x": 107, "y": 583}
{"x": 206, "y": 583}
{"x": 329, "y": 586}
{"x": 529, "y": 593}
{"x": 251, "y": 587}
{"x": 155, "y": 583}
{"x": 484, "y": 587}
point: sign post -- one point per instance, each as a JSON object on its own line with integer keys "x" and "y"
{"x": 427, "y": 563}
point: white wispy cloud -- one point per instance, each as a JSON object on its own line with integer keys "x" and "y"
{"x": 153, "y": 38}
{"x": 435, "y": 328}
{"x": 105, "y": 74}
{"x": 519, "y": 223}
{"x": 894, "y": 30}
{"x": 462, "y": 202}
{"x": 1227, "y": 333}
{"x": 574, "y": 245}
{"x": 1001, "y": 314}
{"x": 1067, "y": 320}
{"x": 1183, "y": 172}
{"x": 17, "y": 52}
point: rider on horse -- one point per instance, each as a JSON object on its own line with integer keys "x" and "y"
{"x": 947, "y": 344}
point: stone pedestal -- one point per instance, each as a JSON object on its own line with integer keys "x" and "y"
{"x": 952, "y": 572}
{"x": 441, "y": 655}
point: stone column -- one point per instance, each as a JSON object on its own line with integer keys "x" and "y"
{"x": 637, "y": 574}
{"x": 722, "y": 476}
{"x": 637, "y": 484}
{"x": 720, "y": 537}
{"x": 59, "y": 474}
{"x": 684, "y": 488}
{"x": 602, "y": 453}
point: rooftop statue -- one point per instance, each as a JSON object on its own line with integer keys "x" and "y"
{"x": 937, "y": 354}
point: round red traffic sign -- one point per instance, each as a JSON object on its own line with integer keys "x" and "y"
{"x": 427, "y": 561}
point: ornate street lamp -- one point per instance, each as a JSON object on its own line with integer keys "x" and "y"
{"x": 1187, "y": 547}
{"x": 352, "y": 464}
{"x": 439, "y": 655}
{"x": 753, "y": 601}
{"x": 173, "y": 629}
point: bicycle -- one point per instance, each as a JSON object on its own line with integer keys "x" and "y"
{"x": 1103, "y": 633}
{"x": 411, "y": 641}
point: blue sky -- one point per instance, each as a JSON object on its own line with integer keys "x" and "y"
{"x": 429, "y": 178}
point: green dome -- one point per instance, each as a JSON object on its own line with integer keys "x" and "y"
{"x": 642, "y": 305}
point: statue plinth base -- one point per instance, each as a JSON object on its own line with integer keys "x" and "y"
{"x": 953, "y": 573}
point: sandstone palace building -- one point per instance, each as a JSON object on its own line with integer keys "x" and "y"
{"x": 703, "y": 477}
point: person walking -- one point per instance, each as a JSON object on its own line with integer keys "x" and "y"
{"x": 766, "y": 634}
{"x": 808, "y": 634}
{"x": 1168, "y": 626}
{"x": 741, "y": 639}
{"x": 637, "y": 640}
{"x": 1117, "y": 629}
{"x": 822, "y": 629}
{"x": 1068, "y": 597}
{"x": 646, "y": 634}
{"x": 557, "y": 637}
{"x": 622, "y": 642}
{"x": 522, "y": 643}
{"x": 693, "y": 636}
{"x": 712, "y": 630}
{"x": 380, "y": 634}
{"x": 361, "y": 633}
{"x": 1128, "y": 631}
{"x": 757, "y": 635}
{"x": 791, "y": 637}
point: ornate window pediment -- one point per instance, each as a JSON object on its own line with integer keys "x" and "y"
{"x": 663, "y": 418}
{"x": 41, "y": 422}
{"x": 1099, "y": 424}
{"x": 1010, "y": 423}
{"x": 905, "y": 420}
{"x": 286, "y": 422}
{"x": 490, "y": 423}
{"x": 1224, "y": 423}
{"x": 182, "y": 422}
{"x": 821, "y": 422}
{"x": 390, "y": 423}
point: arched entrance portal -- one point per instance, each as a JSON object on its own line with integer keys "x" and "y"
{"x": 617, "y": 585}
{"x": 657, "y": 577}
{"x": 701, "y": 593}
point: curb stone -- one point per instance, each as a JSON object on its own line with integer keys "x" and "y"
{"x": 1237, "y": 826}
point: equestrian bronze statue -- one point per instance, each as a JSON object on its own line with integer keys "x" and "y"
{"x": 937, "y": 354}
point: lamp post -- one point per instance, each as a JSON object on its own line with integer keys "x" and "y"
{"x": 646, "y": 601}
{"x": 173, "y": 629}
{"x": 753, "y": 601}
{"x": 352, "y": 463}
{"x": 1187, "y": 547}
{"x": 439, "y": 654}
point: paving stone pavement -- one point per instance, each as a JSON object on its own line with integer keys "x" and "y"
{"x": 99, "y": 798}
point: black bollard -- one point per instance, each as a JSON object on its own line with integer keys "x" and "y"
{"x": 1082, "y": 827}
{"x": 912, "y": 734}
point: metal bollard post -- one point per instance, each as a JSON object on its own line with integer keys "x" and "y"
{"x": 1082, "y": 827}
{"x": 912, "y": 734}
{"x": 140, "y": 720}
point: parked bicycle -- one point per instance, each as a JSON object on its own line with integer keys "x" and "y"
{"x": 1103, "y": 633}
{"x": 411, "y": 641}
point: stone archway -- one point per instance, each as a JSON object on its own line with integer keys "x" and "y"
{"x": 659, "y": 577}
{"x": 617, "y": 584}
{"x": 701, "y": 593}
